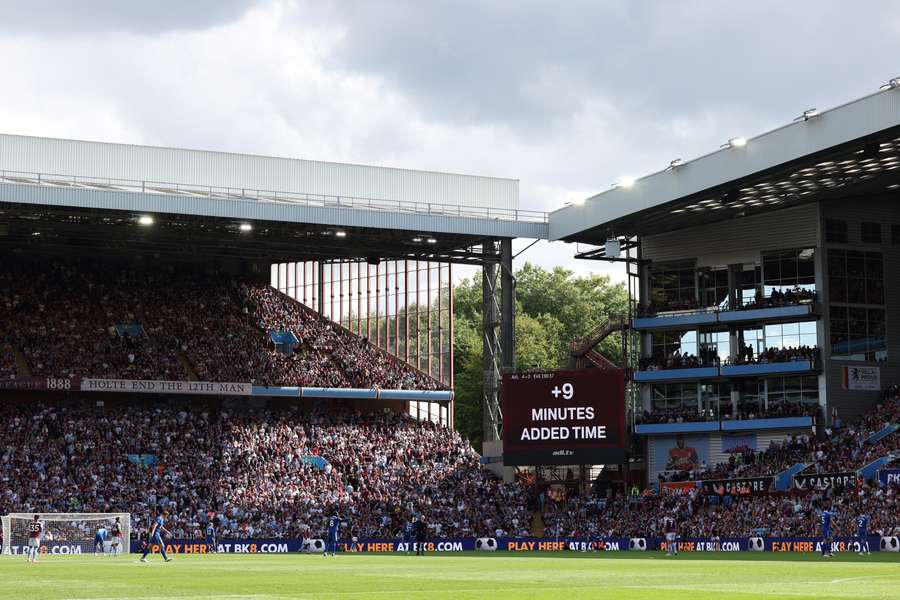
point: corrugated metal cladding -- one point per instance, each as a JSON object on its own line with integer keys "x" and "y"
{"x": 242, "y": 171}
{"x": 740, "y": 240}
{"x": 886, "y": 212}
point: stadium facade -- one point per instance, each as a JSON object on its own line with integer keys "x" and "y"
{"x": 764, "y": 278}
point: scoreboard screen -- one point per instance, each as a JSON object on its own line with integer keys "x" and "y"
{"x": 564, "y": 417}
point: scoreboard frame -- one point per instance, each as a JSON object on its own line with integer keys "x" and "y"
{"x": 564, "y": 417}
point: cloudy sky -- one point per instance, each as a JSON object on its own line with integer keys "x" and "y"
{"x": 565, "y": 96}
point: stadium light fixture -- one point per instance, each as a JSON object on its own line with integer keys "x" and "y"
{"x": 145, "y": 220}
{"x": 891, "y": 84}
{"x": 417, "y": 240}
{"x": 626, "y": 182}
{"x": 578, "y": 201}
{"x": 432, "y": 241}
{"x": 245, "y": 227}
{"x": 735, "y": 142}
{"x": 674, "y": 164}
{"x": 808, "y": 114}
{"x": 340, "y": 234}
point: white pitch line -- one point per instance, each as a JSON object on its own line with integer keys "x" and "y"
{"x": 895, "y": 576}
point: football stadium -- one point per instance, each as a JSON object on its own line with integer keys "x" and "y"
{"x": 232, "y": 376}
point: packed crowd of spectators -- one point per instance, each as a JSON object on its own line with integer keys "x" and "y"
{"x": 698, "y": 514}
{"x": 694, "y": 415}
{"x": 675, "y": 360}
{"x": 748, "y": 356}
{"x": 278, "y": 471}
{"x": 130, "y": 323}
{"x": 790, "y": 297}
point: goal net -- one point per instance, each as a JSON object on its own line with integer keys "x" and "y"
{"x": 66, "y": 533}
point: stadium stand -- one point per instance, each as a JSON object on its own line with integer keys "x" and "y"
{"x": 140, "y": 323}
{"x": 273, "y": 472}
{"x": 279, "y": 469}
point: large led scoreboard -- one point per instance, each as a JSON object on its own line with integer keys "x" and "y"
{"x": 564, "y": 417}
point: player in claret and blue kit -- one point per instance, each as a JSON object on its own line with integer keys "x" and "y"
{"x": 334, "y": 527}
{"x": 156, "y": 531}
{"x": 825, "y": 519}
{"x": 116, "y": 546}
{"x": 862, "y": 525}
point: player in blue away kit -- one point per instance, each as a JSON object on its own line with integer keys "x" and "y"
{"x": 210, "y": 537}
{"x": 99, "y": 539}
{"x": 156, "y": 531}
{"x": 334, "y": 526}
{"x": 825, "y": 518}
{"x": 408, "y": 536}
{"x": 862, "y": 524}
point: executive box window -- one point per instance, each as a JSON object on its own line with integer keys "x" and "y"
{"x": 792, "y": 395}
{"x": 714, "y": 346}
{"x": 858, "y": 333}
{"x": 713, "y": 286}
{"x": 791, "y": 335}
{"x": 789, "y": 271}
{"x": 674, "y": 397}
{"x": 748, "y": 283}
{"x": 668, "y": 343}
{"x": 835, "y": 231}
{"x": 856, "y": 277}
{"x": 715, "y": 399}
{"x": 673, "y": 286}
{"x": 870, "y": 233}
{"x": 753, "y": 398}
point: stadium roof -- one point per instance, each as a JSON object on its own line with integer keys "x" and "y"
{"x": 853, "y": 149}
{"x": 57, "y": 193}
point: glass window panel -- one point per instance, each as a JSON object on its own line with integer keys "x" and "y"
{"x": 808, "y": 339}
{"x": 790, "y": 341}
{"x": 807, "y": 327}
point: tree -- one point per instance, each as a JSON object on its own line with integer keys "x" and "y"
{"x": 553, "y": 308}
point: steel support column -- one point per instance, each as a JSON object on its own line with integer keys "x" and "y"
{"x": 507, "y": 307}
{"x": 320, "y": 287}
{"x": 492, "y": 418}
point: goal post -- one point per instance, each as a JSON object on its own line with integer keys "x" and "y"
{"x": 66, "y": 533}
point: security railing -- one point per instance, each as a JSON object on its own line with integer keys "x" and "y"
{"x": 110, "y": 184}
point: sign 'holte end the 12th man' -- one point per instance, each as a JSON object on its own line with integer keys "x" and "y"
{"x": 564, "y": 417}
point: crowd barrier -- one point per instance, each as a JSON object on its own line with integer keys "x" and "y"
{"x": 530, "y": 545}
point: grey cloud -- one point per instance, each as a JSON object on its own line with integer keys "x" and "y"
{"x": 80, "y": 17}
{"x": 535, "y": 62}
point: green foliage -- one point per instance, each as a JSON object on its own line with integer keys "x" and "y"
{"x": 553, "y": 308}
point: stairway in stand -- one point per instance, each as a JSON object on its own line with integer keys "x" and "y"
{"x": 22, "y": 367}
{"x": 537, "y": 524}
{"x": 187, "y": 366}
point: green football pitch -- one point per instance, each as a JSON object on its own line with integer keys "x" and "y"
{"x": 565, "y": 577}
